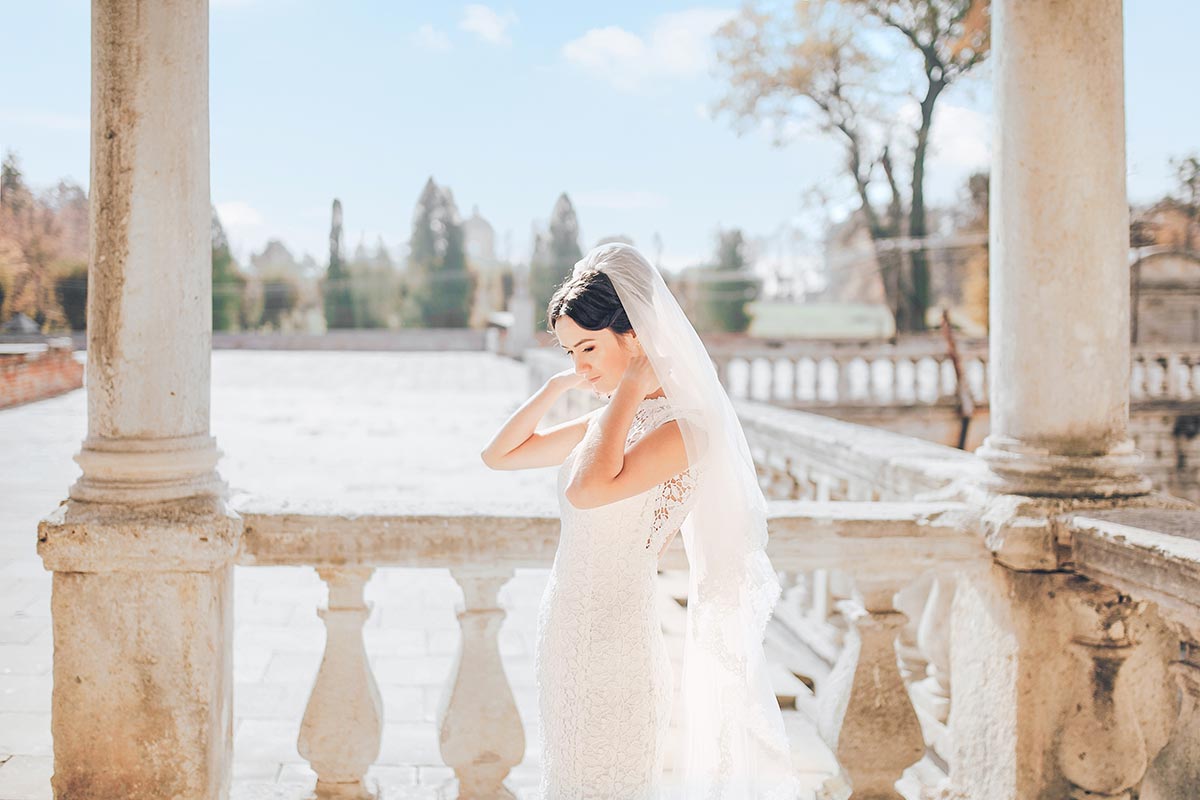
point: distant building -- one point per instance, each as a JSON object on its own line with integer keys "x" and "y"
{"x": 1165, "y": 302}
{"x": 479, "y": 238}
{"x": 479, "y": 241}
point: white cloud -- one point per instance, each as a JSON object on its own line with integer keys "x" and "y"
{"x": 677, "y": 46}
{"x": 622, "y": 200}
{"x": 243, "y": 223}
{"x": 428, "y": 37}
{"x": 962, "y": 137}
{"x": 239, "y": 213}
{"x": 487, "y": 24}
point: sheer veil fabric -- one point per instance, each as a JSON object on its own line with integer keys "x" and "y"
{"x": 734, "y": 745}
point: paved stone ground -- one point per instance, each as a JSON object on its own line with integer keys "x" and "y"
{"x": 347, "y": 427}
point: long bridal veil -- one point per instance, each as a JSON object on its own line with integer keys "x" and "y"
{"x": 734, "y": 744}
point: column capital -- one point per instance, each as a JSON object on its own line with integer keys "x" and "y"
{"x": 198, "y": 534}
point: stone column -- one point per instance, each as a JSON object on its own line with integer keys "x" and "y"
{"x": 1059, "y": 339}
{"x": 142, "y": 549}
{"x": 150, "y": 272}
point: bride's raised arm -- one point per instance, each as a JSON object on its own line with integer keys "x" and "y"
{"x": 517, "y": 445}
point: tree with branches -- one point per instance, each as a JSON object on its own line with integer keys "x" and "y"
{"x": 842, "y": 67}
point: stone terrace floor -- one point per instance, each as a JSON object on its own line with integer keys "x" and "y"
{"x": 361, "y": 428}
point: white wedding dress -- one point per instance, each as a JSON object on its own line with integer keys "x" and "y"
{"x": 604, "y": 676}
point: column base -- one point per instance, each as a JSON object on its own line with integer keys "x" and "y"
{"x": 1016, "y": 467}
{"x": 142, "y": 608}
{"x": 143, "y": 470}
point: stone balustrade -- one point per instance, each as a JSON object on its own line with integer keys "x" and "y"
{"x": 1164, "y": 374}
{"x": 888, "y": 569}
{"x": 881, "y": 546}
{"x": 880, "y": 375}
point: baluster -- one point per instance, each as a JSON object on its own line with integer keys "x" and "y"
{"x": 482, "y": 738}
{"x": 843, "y": 380}
{"x": 1102, "y": 752}
{"x": 931, "y": 694}
{"x": 804, "y": 484}
{"x": 984, "y": 379}
{"x": 899, "y": 384}
{"x": 949, "y": 380}
{"x": 342, "y": 726}
{"x": 1171, "y": 367}
{"x": 808, "y": 367}
{"x": 933, "y": 637}
{"x": 761, "y": 366}
{"x": 1155, "y": 376}
{"x": 793, "y": 392}
{"x": 920, "y": 371}
{"x": 1176, "y": 771}
{"x": 913, "y": 599}
{"x": 1137, "y": 378}
{"x": 865, "y": 715}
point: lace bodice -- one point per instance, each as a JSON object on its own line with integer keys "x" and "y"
{"x": 659, "y": 510}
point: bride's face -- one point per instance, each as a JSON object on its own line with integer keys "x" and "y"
{"x": 601, "y": 356}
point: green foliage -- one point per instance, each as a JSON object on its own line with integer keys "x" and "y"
{"x": 13, "y": 191}
{"x": 722, "y": 300}
{"x": 70, "y": 288}
{"x": 554, "y": 257}
{"x": 227, "y": 281}
{"x": 335, "y": 287}
{"x": 439, "y": 283}
{"x": 375, "y": 294}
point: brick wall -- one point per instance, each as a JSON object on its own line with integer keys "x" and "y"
{"x": 35, "y": 371}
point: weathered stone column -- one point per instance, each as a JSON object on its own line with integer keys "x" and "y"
{"x": 1059, "y": 308}
{"x": 142, "y": 549}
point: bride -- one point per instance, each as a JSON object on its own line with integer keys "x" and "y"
{"x": 666, "y": 453}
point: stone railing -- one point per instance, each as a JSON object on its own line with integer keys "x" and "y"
{"x": 799, "y": 374}
{"x": 1126, "y": 575}
{"x": 879, "y": 375}
{"x": 1164, "y": 373}
{"x": 880, "y": 547}
{"x": 802, "y": 374}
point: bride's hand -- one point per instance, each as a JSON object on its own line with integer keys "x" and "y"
{"x": 568, "y": 379}
{"x": 640, "y": 373}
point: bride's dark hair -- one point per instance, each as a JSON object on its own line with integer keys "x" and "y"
{"x": 591, "y": 301}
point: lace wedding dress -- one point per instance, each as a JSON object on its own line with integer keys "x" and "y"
{"x": 604, "y": 676}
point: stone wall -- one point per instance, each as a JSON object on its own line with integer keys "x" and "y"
{"x": 34, "y": 371}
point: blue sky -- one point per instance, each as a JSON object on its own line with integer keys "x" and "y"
{"x": 510, "y": 104}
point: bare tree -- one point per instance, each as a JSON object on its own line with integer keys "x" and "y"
{"x": 840, "y": 65}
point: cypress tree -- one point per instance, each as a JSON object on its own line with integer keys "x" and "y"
{"x": 339, "y": 309}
